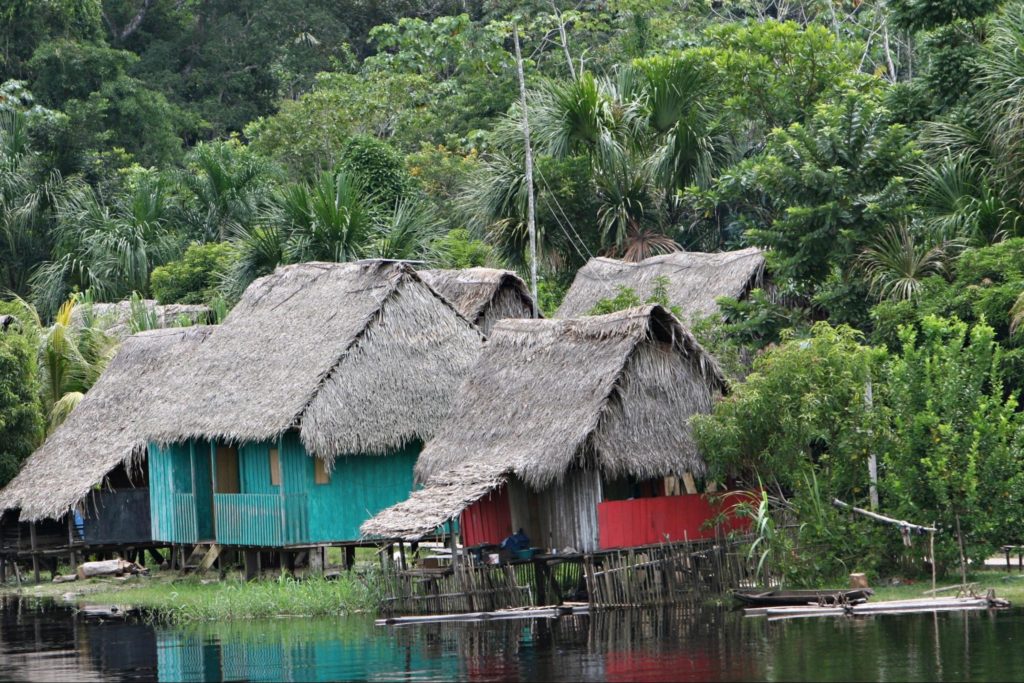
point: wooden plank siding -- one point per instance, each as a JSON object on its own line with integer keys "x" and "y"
{"x": 568, "y": 512}
{"x": 171, "y": 503}
{"x": 297, "y": 511}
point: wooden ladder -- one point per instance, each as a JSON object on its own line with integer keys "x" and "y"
{"x": 202, "y": 558}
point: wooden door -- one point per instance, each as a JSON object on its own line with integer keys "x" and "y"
{"x": 228, "y": 480}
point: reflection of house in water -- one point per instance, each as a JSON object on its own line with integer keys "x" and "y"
{"x": 290, "y": 650}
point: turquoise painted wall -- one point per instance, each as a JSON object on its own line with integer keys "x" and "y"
{"x": 173, "y": 470}
{"x": 360, "y": 486}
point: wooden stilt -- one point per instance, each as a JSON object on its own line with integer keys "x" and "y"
{"x": 252, "y": 564}
{"x": 350, "y": 557}
{"x": 72, "y": 554}
{"x": 35, "y": 557}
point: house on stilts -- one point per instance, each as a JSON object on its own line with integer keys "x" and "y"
{"x": 483, "y": 295}
{"x": 303, "y": 413}
{"x": 575, "y": 431}
{"x": 94, "y": 463}
{"x": 694, "y": 280}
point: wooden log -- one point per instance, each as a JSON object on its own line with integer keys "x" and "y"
{"x": 88, "y": 570}
{"x": 65, "y": 578}
{"x": 882, "y": 518}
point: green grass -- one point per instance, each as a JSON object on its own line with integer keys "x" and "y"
{"x": 1007, "y": 585}
{"x": 189, "y": 600}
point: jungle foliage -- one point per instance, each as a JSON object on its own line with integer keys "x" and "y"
{"x": 178, "y": 150}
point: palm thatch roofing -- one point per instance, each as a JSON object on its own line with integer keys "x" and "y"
{"x": 695, "y": 280}
{"x": 359, "y": 357}
{"x": 115, "y": 318}
{"x": 104, "y": 430}
{"x": 483, "y": 295}
{"x": 611, "y": 392}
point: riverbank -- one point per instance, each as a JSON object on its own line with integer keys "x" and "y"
{"x": 170, "y": 598}
{"x": 1008, "y": 585}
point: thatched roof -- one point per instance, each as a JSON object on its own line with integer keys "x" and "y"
{"x": 360, "y": 357}
{"x": 104, "y": 430}
{"x": 696, "y": 280}
{"x": 115, "y": 318}
{"x": 483, "y": 295}
{"x": 611, "y": 392}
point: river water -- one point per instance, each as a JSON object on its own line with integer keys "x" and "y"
{"x": 44, "y": 641}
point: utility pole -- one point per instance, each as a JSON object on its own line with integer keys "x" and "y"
{"x": 531, "y": 223}
{"x": 872, "y": 458}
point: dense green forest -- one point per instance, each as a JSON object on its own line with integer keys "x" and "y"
{"x": 178, "y": 149}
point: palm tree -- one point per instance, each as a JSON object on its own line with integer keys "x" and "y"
{"x": 25, "y": 200}
{"x": 331, "y": 219}
{"x": 898, "y": 262}
{"x": 107, "y": 249}
{"x": 226, "y": 184}
{"x": 72, "y": 354}
{"x": 647, "y": 133}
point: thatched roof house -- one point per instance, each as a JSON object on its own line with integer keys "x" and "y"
{"x": 359, "y": 357}
{"x": 560, "y": 402}
{"x": 115, "y": 318}
{"x": 103, "y": 431}
{"x": 483, "y": 295}
{"x": 304, "y": 411}
{"x": 695, "y": 280}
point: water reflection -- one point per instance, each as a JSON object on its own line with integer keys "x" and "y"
{"x": 39, "y": 640}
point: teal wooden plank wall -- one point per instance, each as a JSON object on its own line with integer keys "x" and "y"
{"x": 360, "y": 486}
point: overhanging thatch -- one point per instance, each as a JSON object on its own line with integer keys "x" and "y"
{"x": 104, "y": 430}
{"x": 610, "y": 392}
{"x": 115, "y": 318}
{"x": 695, "y": 280}
{"x": 360, "y": 357}
{"x": 483, "y": 295}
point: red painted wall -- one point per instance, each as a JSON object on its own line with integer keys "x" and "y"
{"x": 489, "y": 520}
{"x": 647, "y": 521}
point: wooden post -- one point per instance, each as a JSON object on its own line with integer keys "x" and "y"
{"x": 540, "y": 573}
{"x": 350, "y": 557}
{"x": 931, "y": 552}
{"x": 317, "y": 559}
{"x": 453, "y": 545}
{"x": 3, "y": 569}
{"x": 72, "y": 555}
{"x": 252, "y": 564}
{"x": 401, "y": 553}
{"x": 35, "y": 557}
{"x": 963, "y": 560}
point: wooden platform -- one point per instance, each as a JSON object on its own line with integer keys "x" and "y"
{"x": 548, "y": 612}
{"x": 873, "y": 608}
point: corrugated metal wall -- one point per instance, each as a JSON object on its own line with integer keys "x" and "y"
{"x": 488, "y": 520}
